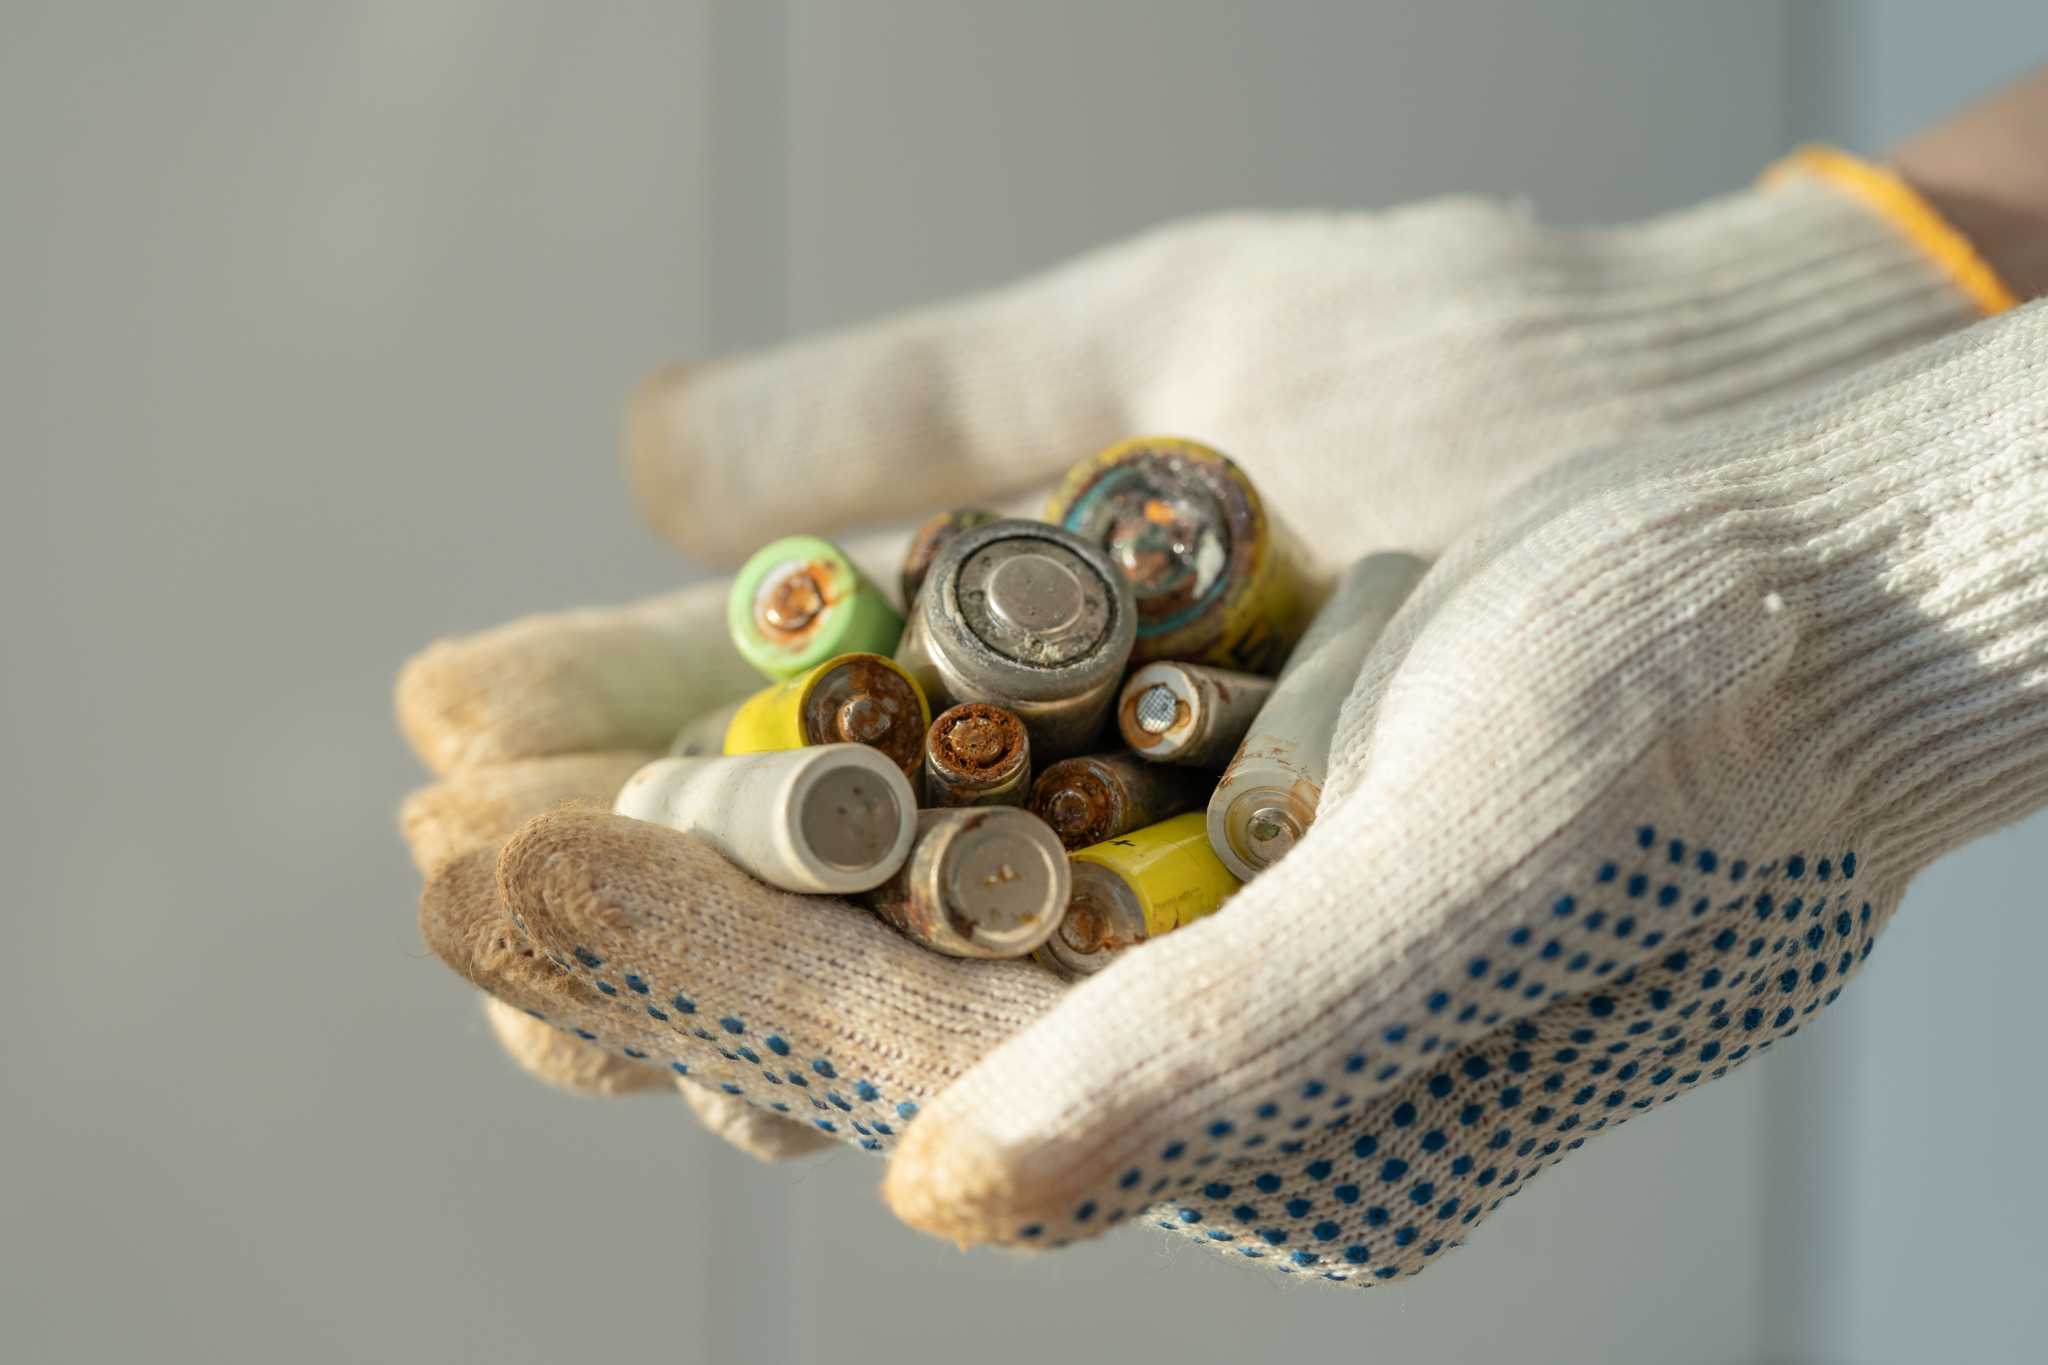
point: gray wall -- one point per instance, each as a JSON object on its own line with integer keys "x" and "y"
{"x": 315, "y": 323}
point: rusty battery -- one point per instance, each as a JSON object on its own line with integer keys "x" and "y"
{"x": 853, "y": 699}
{"x": 1096, "y": 797}
{"x": 1218, "y": 580}
{"x": 1134, "y": 888}
{"x": 799, "y": 601}
{"x": 1189, "y": 714}
{"x": 976, "y": 754}
{"x": 984, "y": 883}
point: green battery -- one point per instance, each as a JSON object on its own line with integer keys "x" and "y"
{"x": 800, "y": 601}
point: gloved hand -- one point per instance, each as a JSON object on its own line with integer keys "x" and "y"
{"x": 1621, "y": 799}
{"x": 1379, "y": 375}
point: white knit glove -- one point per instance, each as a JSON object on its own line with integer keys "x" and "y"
{"x": 1622, "y": 799}
{"x": 1378, "y": 375}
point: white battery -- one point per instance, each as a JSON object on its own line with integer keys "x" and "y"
{"x": 833, "y": 818}
{"x": 1269, "y": 793}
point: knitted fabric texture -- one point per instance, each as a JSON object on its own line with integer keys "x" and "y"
{"x": 1431, "y": 350}
{"x": 1324, "y": 350}
{"x": 1621, "y": 801}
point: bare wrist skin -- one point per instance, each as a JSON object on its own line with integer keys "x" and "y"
{"x": 1986, "y": 172}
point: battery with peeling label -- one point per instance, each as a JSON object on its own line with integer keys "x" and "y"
{"x": 1217, "y": 579}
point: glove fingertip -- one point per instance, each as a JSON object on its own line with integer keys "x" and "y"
{"x": 432, "y": 699}
{"x": 950, "y": 1179}
{"x": 586, "y": 885}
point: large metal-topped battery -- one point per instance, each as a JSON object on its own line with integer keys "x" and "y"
{"x": 1028, "y": 617}
{"x": 1035, "y": 601}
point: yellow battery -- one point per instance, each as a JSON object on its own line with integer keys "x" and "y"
{"x": 1135, "y": 887}
{"x": 1218, "y": 578}
{"x": 852, "y": 699}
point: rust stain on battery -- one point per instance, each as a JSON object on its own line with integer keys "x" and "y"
{"x": 862, "y": 701}
{"x": 1141, "y": 738}
{"x": 1076, "y": 802}
{"x": 1086, "y": 930}
{"x": 1274, "y": 752}
{"x": 790, "y": 611}
{"x": 977, "y": 740}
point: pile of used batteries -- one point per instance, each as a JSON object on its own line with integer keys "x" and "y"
{"x": 1023, "y": 636}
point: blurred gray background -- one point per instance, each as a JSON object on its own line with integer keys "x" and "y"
{"x": 316, "y": 323}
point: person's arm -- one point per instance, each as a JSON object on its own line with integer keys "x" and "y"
{"x": 1986, "y": 172}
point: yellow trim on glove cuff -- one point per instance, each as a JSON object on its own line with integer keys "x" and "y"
{"x": 1899, "y": 204}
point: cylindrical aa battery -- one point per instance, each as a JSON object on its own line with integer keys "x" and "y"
{"x": 1029, "y": 618}
{"x": 976, "y": 754}
{"x": 704, "y": 734}
{"x": 799, "y": 601}
{"x": 1217, "y": 579}
{"x": 853, "y": 699}
{"x": 834, "y": 818}
{"x": 1189, "y": 714}
{"x": 1101, "y": 796}
{"x": 927, "y": 540}
{"x": 1268, "y": 796}
{"x": 1147, "y": 883}
{"x": 978, "y": 883}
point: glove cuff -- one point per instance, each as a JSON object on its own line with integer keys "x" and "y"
{"x": 1909, "y": 214}
{"x": 1826, "y": 267}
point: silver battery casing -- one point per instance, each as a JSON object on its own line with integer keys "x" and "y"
{"x": 830, "y": 818}
{"x": 983, "y": 883}
{"x": 1030, "y": 618}
{"x": 1189, "y": 714}
{"x": 1269, "y": 793}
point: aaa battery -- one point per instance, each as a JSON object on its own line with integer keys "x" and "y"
{"x": 1101, "y": 796}
{"x": 1189, "y": 714}
{"x": 1269, "y": 793}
